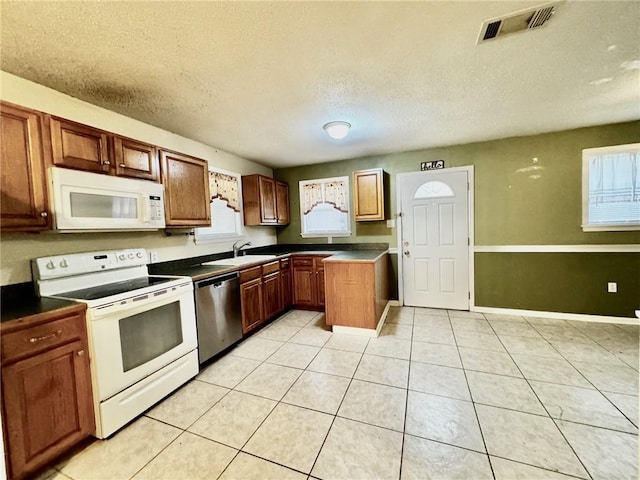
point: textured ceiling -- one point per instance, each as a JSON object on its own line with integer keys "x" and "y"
{"x": 259, "y": 79}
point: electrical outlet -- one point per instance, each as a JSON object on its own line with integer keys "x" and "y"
{"x": 612, "y": 287}
{"x": 391, "y": 223}
{"x": 153, "y": 256}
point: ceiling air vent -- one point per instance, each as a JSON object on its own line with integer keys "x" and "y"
{"x": 516, "y": 22}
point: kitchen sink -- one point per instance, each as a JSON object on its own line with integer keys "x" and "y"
{"x": 243, "y": 260}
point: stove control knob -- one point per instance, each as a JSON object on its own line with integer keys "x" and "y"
{"x": 64, "y": 263}
{"x": 130, "y": 255}
{"x": 139, "y": 254}
{"x": 50, "y": 265}
{"x": 122, "y": 256}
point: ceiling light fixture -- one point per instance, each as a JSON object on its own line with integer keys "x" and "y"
{"x": 337, "y": 130}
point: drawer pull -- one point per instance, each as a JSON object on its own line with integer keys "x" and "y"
{"x": 55, "y": 334}
{"x": 81, "y": 353}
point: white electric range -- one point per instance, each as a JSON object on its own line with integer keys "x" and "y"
{"x": 142, "y": 328}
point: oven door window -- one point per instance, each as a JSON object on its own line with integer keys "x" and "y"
{"x": 149, "y": 334}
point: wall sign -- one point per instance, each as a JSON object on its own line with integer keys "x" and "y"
{"x": 434, "y": 165}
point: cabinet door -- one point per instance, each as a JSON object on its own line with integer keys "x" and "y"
{"x": 369, "y": 194}
{"x": 319, "y": 287}
{"x": 251, "y": 301}
{"x": 24, "y": 203}
{"x": 285, "y": 287}
{"x": 282, "y": 202}
{"x": 303, "y": 290}
{"x": 271, "y": 294}
{"x": 267, "y": 188}
{"x": 186, "y": 186}
{"x": 48, "y": 406}
{"x": 135, "y": 159}
{"x": 79, "y": 146}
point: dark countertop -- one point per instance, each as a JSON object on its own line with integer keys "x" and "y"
{"x": 20, "y": 301}
{"x": 192, "y": 267}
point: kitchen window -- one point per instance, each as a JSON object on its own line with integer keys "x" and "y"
{"x": 611, "y": 188}
{"x": 324, "y": 207}
{"x": 226, "y": 208}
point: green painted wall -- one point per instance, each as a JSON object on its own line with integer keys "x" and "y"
{"x": 511, "y": 206}
{"x": 517, "y": 202}
{"x": 559, "y": 282}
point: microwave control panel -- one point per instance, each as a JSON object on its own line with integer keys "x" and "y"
{"x": 156, "y": 208}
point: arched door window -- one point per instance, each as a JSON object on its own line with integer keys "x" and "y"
{"x": 433, "y": 189}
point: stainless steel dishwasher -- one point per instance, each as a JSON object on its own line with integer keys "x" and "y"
{"x": 218, "y": 314}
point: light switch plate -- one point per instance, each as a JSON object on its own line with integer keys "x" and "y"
{"x": 612, "y": 287}
{"x": 391, "y": 223}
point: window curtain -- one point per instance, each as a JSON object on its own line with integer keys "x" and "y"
{"x": 312, "y": 196}
{"x": 614, "y": 178}
{"x": 333, "y": 192}
{"x": 225, "y": 187}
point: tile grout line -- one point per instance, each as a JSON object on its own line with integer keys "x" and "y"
{"x": 475, "y": 410}
{"x": 544, "y": 406}
{"x": 583, "y": 375}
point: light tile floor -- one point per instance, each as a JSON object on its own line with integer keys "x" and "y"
{"x": 440, "y": 394}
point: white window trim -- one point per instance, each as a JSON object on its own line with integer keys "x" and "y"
{"x": 586, "y": 153}
{"x": 328, "y": 234}
{"x": 203, "y": 237}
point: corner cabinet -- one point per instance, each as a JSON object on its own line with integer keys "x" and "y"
{"x": 186, "y": 189}
{"x": 46, "y": 388}
{"x": 265, "y": 201}
{"x": 24, "y": 205}
{"x": 308, "y": 282}
{"x": 369, "y": 186}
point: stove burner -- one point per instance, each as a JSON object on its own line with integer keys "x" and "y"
{"x": 110, "y": 289}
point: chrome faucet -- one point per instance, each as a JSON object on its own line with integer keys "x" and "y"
{"x": 236, "y": 249}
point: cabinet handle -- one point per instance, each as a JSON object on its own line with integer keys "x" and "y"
{"x": 57, "y": 333}
{"x": 81, "y": 353}
{"x": 44, "y": 214}
{"x": 106, "y": 162}
{"x": 122, "y": 165}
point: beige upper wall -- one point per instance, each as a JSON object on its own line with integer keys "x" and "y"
{"x": 518, "y": 201}
{"x": 17, "y": 249}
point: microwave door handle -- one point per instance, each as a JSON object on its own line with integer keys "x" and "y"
{"x": 146, "y": 209}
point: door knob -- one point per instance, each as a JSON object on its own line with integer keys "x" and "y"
{"x": 406, "y": 253}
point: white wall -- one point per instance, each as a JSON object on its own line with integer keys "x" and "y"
{"x": 17, "y": 249}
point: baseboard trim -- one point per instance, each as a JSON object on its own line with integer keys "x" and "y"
{"x": 364, "y": 332}
{"x": 558, "y": 315}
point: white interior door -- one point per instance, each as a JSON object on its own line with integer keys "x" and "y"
{"x": 435, "y": 239}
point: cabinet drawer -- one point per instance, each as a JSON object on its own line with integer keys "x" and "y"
{"x": 302, "y": 261}
{"x": 284, "y": 263}
{"x": 250, "y": 274}
{"x": 270, "y": 267}
{"x": 41, "y": 337}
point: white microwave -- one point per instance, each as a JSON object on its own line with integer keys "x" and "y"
{"x": 84, "y": 201}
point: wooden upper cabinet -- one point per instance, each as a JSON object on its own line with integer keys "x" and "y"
{"x": 282, "y": 202}
{"x": 186, "y": 189}
{"x": 264, "y": 201}
{"x": 368, "y": 195}
{"x": 24, "y": 204}
{"x": 135, "y": 159}
{"x": 79, "y": 146}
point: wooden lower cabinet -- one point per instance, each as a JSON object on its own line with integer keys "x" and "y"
{"x": 251, "y": 302}
{"x": 46, "y": 389}
{"x": 286, "y": 289}
{"x": 357, "y": 292}
{"x": 271, "y": 294}
{"x": 308, "y": 282}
